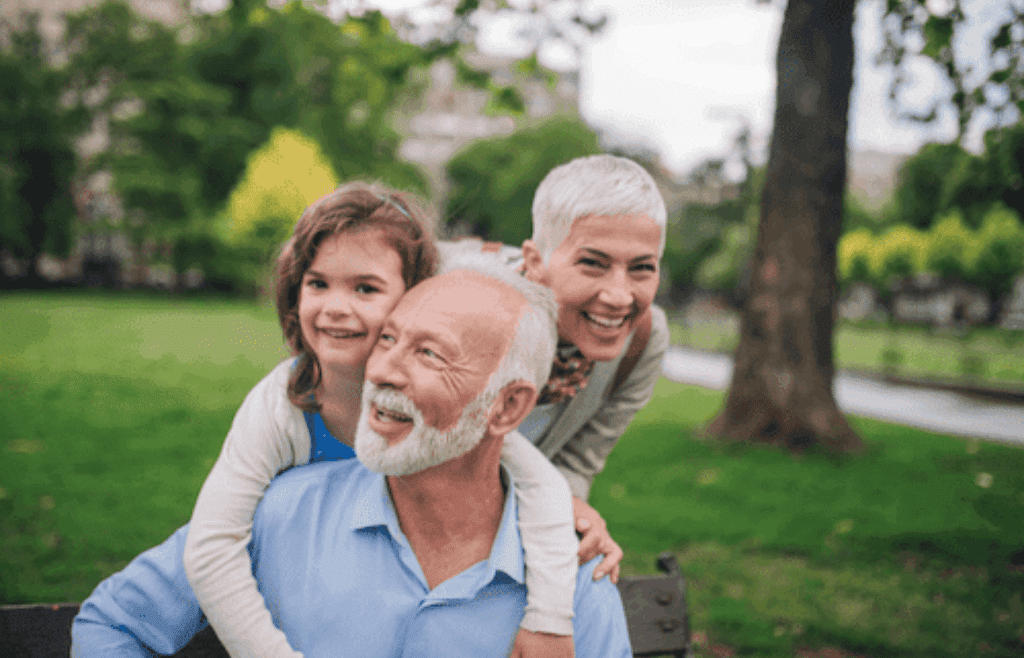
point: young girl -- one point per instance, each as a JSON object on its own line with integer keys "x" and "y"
{"x": 352, "y": 255}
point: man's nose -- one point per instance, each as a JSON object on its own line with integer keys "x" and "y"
{"x": 386, "y": 368}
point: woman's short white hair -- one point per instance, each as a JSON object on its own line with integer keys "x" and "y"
{"x": 593, "y": 185}
{"x": 532, "y": 350}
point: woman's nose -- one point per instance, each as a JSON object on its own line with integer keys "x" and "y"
{"x": 616, "y": 291}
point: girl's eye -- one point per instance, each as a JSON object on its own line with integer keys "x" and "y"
{"x": 366, "y": 289}
{"x": 316, "y": 283}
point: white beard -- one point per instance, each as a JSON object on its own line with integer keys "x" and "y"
{"x": 424, "y": 446}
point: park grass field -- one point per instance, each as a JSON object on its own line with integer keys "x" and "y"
{"x": 983, "y": 354}
{"x": 115, "y": 406}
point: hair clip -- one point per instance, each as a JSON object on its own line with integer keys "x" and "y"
{"x": 393, "y": 202}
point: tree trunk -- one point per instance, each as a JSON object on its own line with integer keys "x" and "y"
{"x": 781, "y": 391}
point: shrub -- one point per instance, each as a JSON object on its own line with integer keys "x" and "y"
{"x": 281, "y": 178}
{"x": 897, "y": 254}
{"x": 950, "y": 247}
{"x": 998, "y": 253}
{"x": 854, "y": 257}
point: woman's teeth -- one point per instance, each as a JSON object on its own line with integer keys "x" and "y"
{"x": 608, "y": 323}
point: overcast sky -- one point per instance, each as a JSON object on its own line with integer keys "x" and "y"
{"x": 680, "y": 75}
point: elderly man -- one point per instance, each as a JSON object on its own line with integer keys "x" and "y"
{"x": 415, "y": 553}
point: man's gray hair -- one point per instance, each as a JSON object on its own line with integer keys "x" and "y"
{"x": 532, "y": 350}
{"x": 593, "y": 185}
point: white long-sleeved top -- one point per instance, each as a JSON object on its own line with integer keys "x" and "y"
{"x": 268, "y": 435}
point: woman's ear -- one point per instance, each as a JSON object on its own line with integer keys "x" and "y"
{"x": 533, "y": 262}
{"x": 514, "y": 403}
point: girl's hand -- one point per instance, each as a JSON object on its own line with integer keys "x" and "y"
{"x": 595, "y": 540}
{"x": 529, "y": 644}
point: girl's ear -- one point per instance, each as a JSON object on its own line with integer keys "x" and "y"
{"x": 533, "y": 263}
{"x": 513, "y": 405}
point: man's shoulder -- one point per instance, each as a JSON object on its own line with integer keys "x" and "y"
{"x": 304, "y": 487}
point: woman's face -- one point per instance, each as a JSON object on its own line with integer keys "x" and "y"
{"x": 604, "y": 276}
{"x": 344, "y": 297}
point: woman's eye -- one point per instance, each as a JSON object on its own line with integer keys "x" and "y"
{"x": 386, "y": 338}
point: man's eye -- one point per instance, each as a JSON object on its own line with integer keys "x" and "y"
{"x": 590, "y": 262}
{"x": 430, "y": 354}
{"x": 645, "y": 267}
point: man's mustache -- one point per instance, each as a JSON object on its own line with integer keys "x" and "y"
{"x": 388, "y": 399}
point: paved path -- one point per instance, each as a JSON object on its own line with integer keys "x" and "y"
{"x": 939, "y": 411}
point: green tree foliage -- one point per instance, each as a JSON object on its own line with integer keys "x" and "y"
{"x": 976, "y": 183}
{"x": 37, "y": 157}
{"x": 989, "y": 257}
{"x": 493, "y": 180}
{"x": 897, "y": 253}
{"x": 724, "y": 270}
{"x": 185, "y": 114}
{"x": 914, "y": 29}
{"x": 998, "y": 253}
{"x": 854, "y": 257}
{"x": 949, "y": 247}
{"x": 922, "y": 180}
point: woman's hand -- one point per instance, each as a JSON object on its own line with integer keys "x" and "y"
{"x": 595, "y": 540}
{"x": 529, "y": 644}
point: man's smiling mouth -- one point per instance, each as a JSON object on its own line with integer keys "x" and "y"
{"x": 388, "y": 416}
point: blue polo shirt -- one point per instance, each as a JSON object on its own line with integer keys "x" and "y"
{"x": 340, "y": 578}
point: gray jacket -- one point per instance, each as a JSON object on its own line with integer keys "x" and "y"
{"x": 579, "y": 440}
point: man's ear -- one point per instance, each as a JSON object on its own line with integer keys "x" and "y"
{"x": 513, "y": 405}
{"x": 533, "y": 262}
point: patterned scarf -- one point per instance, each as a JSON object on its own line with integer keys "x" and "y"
{"x": 568, "y": 377}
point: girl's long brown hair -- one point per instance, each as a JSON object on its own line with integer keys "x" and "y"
{"x": 351, "y": 208}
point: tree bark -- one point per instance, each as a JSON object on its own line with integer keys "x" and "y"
{"x": 781, "y": 391}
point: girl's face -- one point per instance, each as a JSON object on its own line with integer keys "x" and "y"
{"x": 345, "y": 296}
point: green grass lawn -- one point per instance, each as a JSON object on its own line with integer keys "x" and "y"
{"x": 115, "y": 407}
{"x": 987, "y": 354}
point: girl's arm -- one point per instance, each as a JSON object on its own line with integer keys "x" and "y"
{"x": 549, "y": 539}
{"x": 267, "y": 436}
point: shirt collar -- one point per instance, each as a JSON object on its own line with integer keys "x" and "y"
{"x": 374, "y": 509}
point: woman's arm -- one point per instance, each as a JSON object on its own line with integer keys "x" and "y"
{"x": 267, "y": 436}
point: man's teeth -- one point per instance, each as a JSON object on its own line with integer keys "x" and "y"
{"x": 386, "y": 416}
{"x": 610, "y": 323}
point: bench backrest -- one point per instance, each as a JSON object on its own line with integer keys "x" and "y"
{"x": 655, "y": 613}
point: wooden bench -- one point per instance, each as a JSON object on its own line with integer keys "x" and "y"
{"x": 655, "y": 613}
